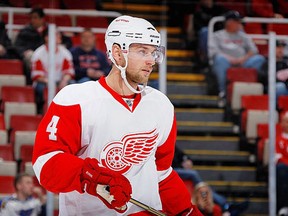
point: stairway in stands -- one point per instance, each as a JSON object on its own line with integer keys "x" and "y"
{"x": 204, "y": 133}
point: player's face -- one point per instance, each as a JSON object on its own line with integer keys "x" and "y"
{"x": 25, "y": 186}
{"x": 140, "y": 62}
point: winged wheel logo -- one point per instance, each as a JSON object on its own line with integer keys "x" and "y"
{"x": 132, "y": 149}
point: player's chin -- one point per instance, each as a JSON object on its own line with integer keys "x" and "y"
{"x": 145, "y": 79}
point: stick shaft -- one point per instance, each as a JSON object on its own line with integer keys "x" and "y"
{"x": 146, "y": 207}
{"x": 104, "y": 193}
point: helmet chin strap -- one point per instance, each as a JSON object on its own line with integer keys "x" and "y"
{"x": 123, "y": 75}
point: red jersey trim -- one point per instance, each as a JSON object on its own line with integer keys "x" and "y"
{"x": 118, "y": 97}
{"x": 165, "y": 153}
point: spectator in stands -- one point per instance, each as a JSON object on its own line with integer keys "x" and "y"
{"x": 30, "y": 38}
{"x": 231, "y": 47}
{"x": 64, "y": 68}
{"x": 203, "y": 199}
{"x": 282, "y": 164}
{"x": 28, "y": 199}
{"x": 281, "y": 69}
{"x": 204, "y": 12}
{"x": 183, "y": 165}
{"x": 89, "y": 63}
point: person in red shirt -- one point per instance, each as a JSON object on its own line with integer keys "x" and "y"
{"x": 282, "y": 164}
{"x": 64, "y": 70}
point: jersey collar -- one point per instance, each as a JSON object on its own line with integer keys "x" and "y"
{"x": 118, "y": 97}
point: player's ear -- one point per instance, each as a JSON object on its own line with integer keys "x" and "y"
{"x": 117, "y": 53}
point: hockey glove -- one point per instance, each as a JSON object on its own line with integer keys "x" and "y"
{"x": 94, "y": 180}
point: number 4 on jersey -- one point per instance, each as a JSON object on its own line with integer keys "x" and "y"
{"x": 52, "y": 128}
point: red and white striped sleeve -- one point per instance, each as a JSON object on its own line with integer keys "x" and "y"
{"x": 57, "y": 141}
{"x": 171, "y": 187}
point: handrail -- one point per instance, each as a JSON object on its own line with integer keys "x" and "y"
{"x": 59, "y": 28}
{"x": 216, "y": 19}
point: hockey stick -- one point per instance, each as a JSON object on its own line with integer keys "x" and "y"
{"x": 104, "y": 193}
{"x": 146, "y": 207}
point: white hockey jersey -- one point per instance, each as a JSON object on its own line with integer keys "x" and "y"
{"x": 40, "y": 63}
{"x": 91, "y": 120}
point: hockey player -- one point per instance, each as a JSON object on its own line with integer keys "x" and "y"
{"x": 115, "y": 132}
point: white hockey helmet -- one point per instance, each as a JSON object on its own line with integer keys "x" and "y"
{"x": 126, "y": 30}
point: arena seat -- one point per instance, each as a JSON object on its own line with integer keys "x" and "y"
{"x": 12, "y": 80}
{"x": 244, "y": 88}
{"x": 92, "y": 22}
{"x": 239, "y": 6}
{"x": 3, "y": 137}
{"x": 22, "y": 138}
{"x": 11, "y": 66}
{"x": 63, "y": 20}
{"x": 19, "y": 19}
{"x": 26, "y": 152}
{"x": 3, "y": 131}
{"x": 253, "y": 28}
{"x": 23, "y": 123}
{"x": 262, "y": 46}
{"x": 283, "y": 7}
{"x": 7, "y": 185}
{"x": 2, "y": 122}
{"x": 44, "y": 3}
{"x": 255, "y": 117}
{"x": 18, "y": 94}
{"x": 8, "y": 168}
{"x": 21, "y": 94}
{"x": 241, "y": 75}
{"x": 72, "y": 4}
{"x": 256, "y": 102}
{"x": 6, "y": 152}
{"x": 280, "y": 29}
{"x": 18, "y": 108}
{"x": 17, "y": 3}
{"x": 262, "y": 8}
{"x": 253, "y": 103}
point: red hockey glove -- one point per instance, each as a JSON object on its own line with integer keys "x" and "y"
{"x": 94, "y": 180}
